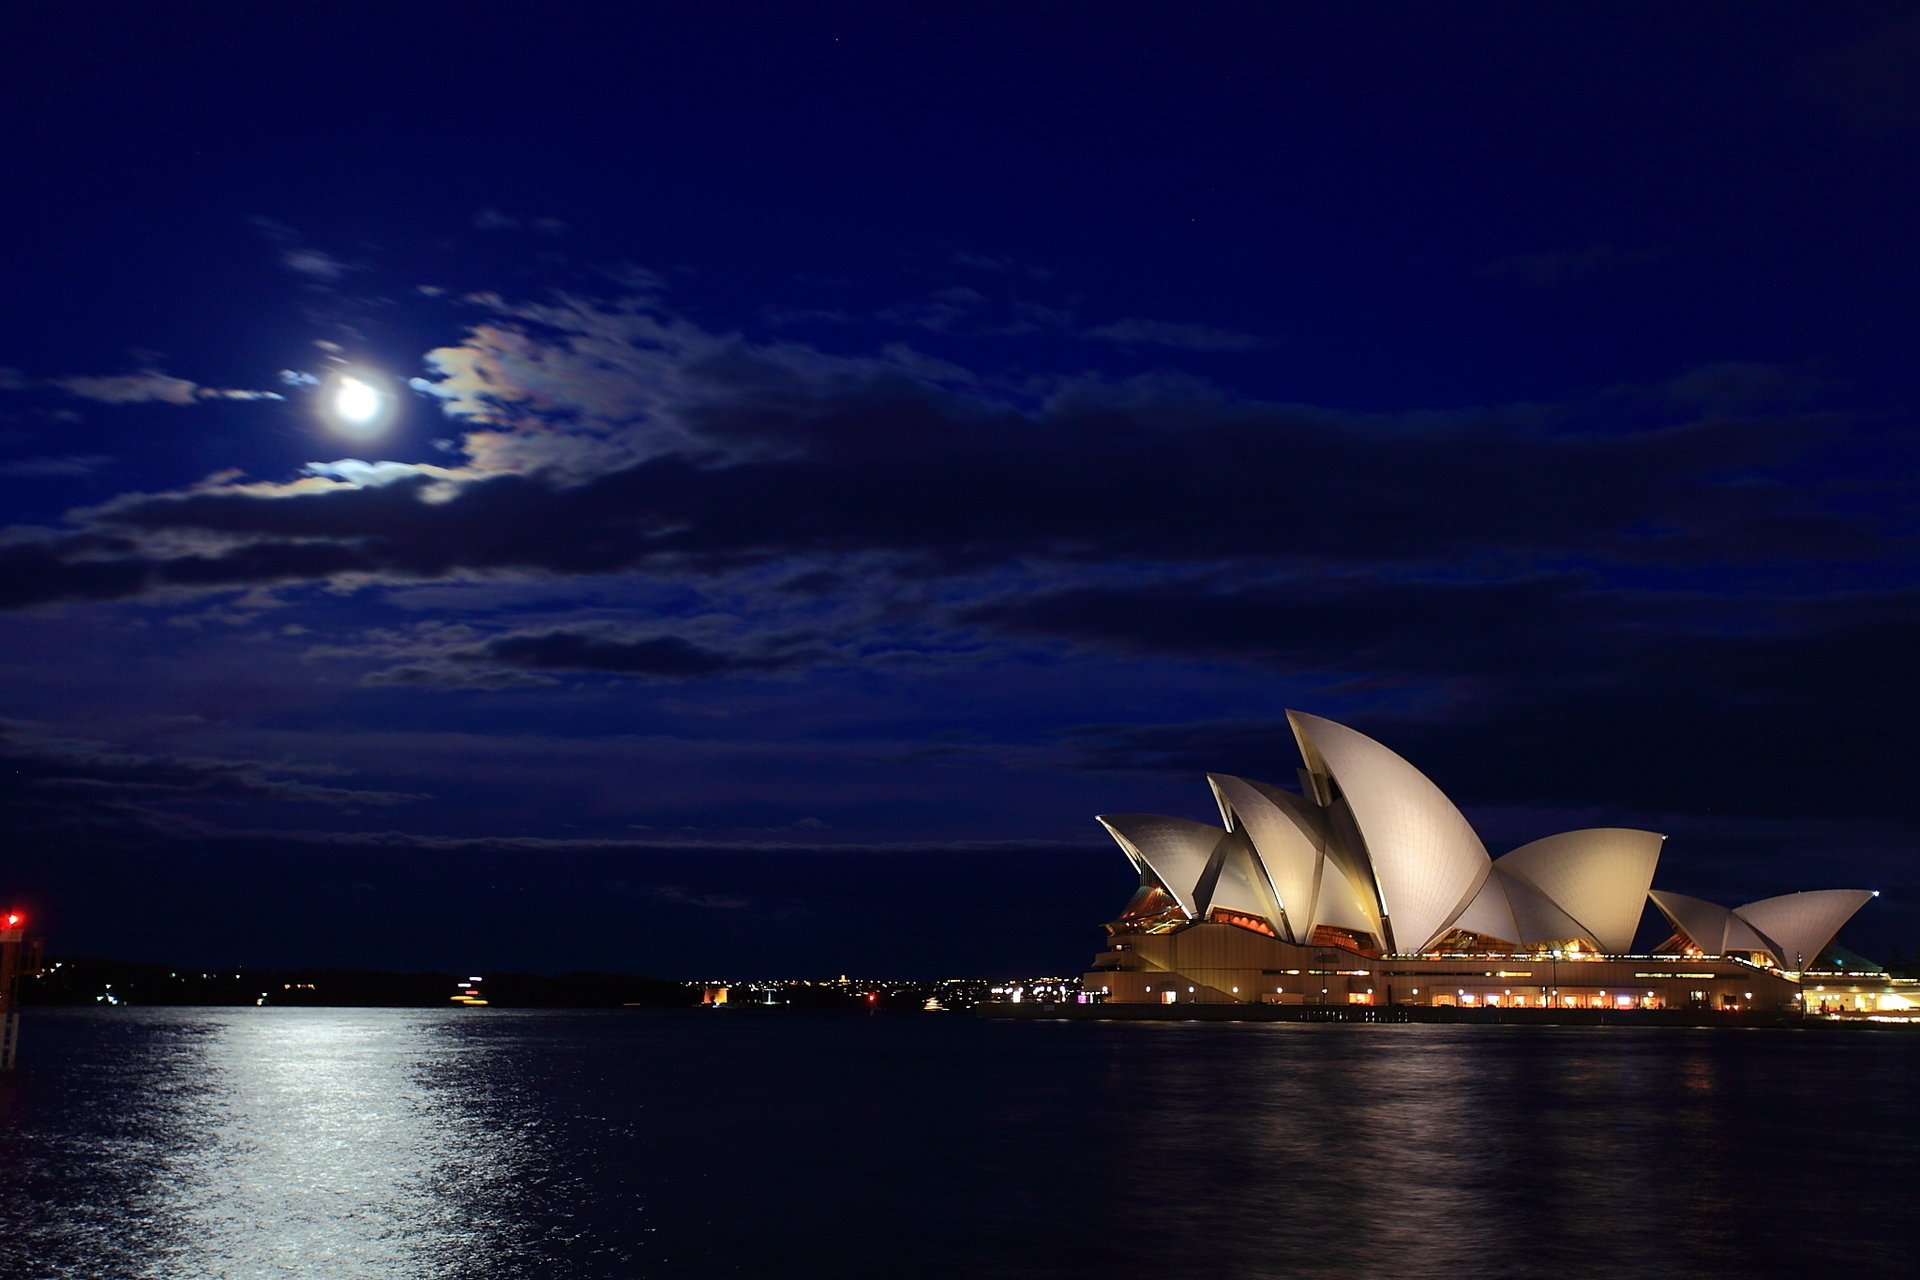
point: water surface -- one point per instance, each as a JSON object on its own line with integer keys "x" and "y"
{"x": 338, "y": 1144}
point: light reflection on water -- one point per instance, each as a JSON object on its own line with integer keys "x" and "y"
{"x": 273, "y": 1143}
{"x": 340, "y": 1134}
{"x": 463, "y": 1143}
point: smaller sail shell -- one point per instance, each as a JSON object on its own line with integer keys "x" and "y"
{"x": 1801, "y": 925}
{"x": 1599, "y": 876}
{"x": 1490, "y": 913}
{"x": 1288, "y": 834}
{"x": 1700, "y": 922}
{"x": 1239, "y": 883}
{"x": 1175, "y": 850}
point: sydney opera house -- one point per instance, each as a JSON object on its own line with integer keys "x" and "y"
{"x": 1368, "y": 887}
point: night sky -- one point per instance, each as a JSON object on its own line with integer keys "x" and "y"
{"x": 835, "y": 452}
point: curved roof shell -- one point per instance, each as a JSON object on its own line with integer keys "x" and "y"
{"x": 1742, "y": 936}
{"x": 1345, "y": 906}
{"x": 1512, "y": 909}
{"x": 1599, "y": 876}
{"x": 1174, "y": 850}
{"x": 1288, "y": 834}
{"x": 1800, "y": 925}
{"x": 1701, "y": 922}
{"x": 1793, "y": 928}
{"x": 1235, "y": 881}
{"x": 1425, "y": 856}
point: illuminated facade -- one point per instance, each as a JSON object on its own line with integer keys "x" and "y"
{"x": 1368, "y": 886}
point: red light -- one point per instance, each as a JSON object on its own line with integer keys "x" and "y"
{"x": 15, "y": 919}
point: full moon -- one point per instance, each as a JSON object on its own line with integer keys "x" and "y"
{"x": 358, "y": 405}
{"x": 355, "y": 401}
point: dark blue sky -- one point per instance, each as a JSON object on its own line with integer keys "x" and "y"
{"x": 836, "y": 451}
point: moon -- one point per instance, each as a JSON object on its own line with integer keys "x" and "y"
{"x": 355, "y": 401}
{"x": 358, "y": 405}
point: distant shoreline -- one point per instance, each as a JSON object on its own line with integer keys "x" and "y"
{"x": 1043, "y": 1011}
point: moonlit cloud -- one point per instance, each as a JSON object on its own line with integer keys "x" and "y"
{"x": 150, "y": 386}
{"x": 131, "y": 388}
{"x": 320, "y": 268}
{"x": 234, "y": 393}
{"x": 609, "y": 436}
{"x": 359, "y": 474}
{"x": 314, "y": 264}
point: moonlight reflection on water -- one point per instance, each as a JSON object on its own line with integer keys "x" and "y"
{"x": 428, "y": 1143}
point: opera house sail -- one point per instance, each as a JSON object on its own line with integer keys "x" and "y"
{"x": 1369, "y": 886}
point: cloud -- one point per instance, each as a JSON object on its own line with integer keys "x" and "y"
{"x": 1532, "y": 671}
{"x": 676, "y": 896}
{"x": 606, "y": 437}
{"x": 959, "y": 309}
{"x": 321, "y": 269}
{"x": 65, "y": 782}
{"x": 315, "y": 264}
{"x": 491, "y": 219}
{"x": 131, "y": 388}
{"x": 1184, "y": 337}
{"x": 459, "y": 657}
{"x": 148, "y": 386}
{"x": 442, "y": 675}
{"x": 1336, "y": 625}
{"x": 235, "y": 393}
{"x": 661, "y": 656}
{"x": 69, "y": 466}
{"x": 357, "y": 473}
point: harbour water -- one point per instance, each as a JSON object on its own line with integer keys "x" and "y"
{"x": 338, "y": 1144}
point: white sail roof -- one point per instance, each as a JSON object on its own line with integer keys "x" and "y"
{"x": 1701, "y": 922}
{"x": 1174, "y": 850}
{"x": 1793, "y": 928}
{"x": 1489, "y": 912}
{"x": 1742, "y": 936}
{"x": 1513, "y": 910}
{"x": 1541, "y": 918}
{"x": 1801, "y": 925}
{"x": 1289, "y": 836}
{"x": 1425, "y": 856}
{"x": 1599, "y": 876}
{"x": 1343, "y": 905}
{"x": 1235, "y": 881}
{"x": 1347, "y": 864}
{"x": 1374, "y": 847}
